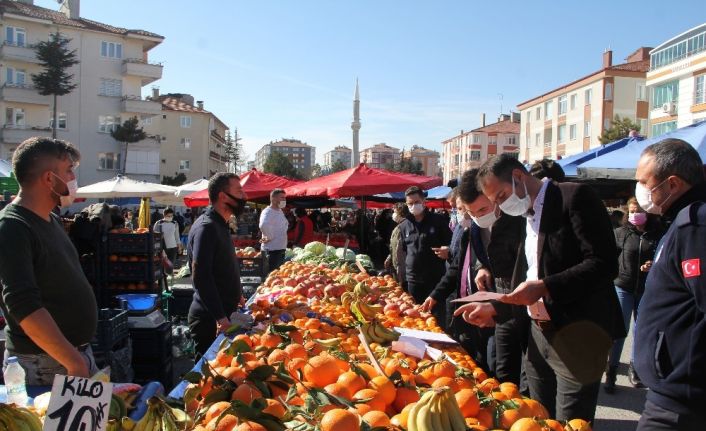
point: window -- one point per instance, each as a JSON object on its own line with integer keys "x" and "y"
{"x": 588, "y": 95}
{"x": 586, "y": 129}
{"x": 572, "y": 102}
{"x": 15, "y": 77}
{"x": 537, "y": 139}
{"x": 608, "y": 91}
{"x": 492, "y": 140}
{"x": 111, "y": 87}
{"x": 108, "y": 123}
{"x": 606, "y": 123}
{"x": 538, "y": 115}
{"x": 561, "y": 133}
{"x": 111, "y": 50}
{"x": 572, "y": 132}
{"x": 184, "y": 165}
{"x": 643, "y": 125}
{"x": 147, "y": 121}
{"x": 562, "y": 105}
{"x": 699, "y": 93}
{"x": 186, "y": 143}
{"x": 476, "y": 139}
{"x": 60, "y": 118}
{"x": 15, "y": 36}
{"x": 640, "y": 92}
{"x": 548, "y": 137}
{"x": 15, "y": 117}
{"x": 662, "y": 128}
{"x": 109, "y": 161}
{"x": 548, "y": 110}
{"x": 185, "y": 121}
{"x": 475, "y": 155}
{"x": 665, "y": 93}
{"x": 511, "y": 140}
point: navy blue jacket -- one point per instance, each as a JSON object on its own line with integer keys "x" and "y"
{"x": 670, "y": 337}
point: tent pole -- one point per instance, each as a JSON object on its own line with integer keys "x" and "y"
{"x": 363, "y": 239}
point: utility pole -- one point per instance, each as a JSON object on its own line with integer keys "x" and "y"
{"x": 236, "y": 150}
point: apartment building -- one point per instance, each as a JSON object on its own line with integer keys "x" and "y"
{"x": 380, "y": 156}
{"x": 571, "y": 118}
{"x": 340, "y": 153}
{"x": 191, "y": 139}
{"x": 429, "y": 159}
{"x": 300, "y": 154}
{"x": 114, "y": 66}
{"x": 676, "y": 82}
{"x": 469, "y": 150}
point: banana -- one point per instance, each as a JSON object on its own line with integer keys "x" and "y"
{"x": 31, "y": 418}
{"x": 411, "y": 418}
{"x": 369, "y": 311}
{"x": 436, "y": 413}
{"x": 147, "y": 421}
{"x": 168, "y": 422}
{"x": 17, "y": 420}
{"x": 127, "y": 424}
{"x": 453, "y": 412}
{"x": 369, "y": 332}
{"x": 423, "y": 419}
{"x": 329, "y": 343}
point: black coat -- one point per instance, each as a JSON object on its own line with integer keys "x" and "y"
{"x": 634, "y": 248}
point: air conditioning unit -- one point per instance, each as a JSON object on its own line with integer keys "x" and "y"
{"x": 669, "y": 108}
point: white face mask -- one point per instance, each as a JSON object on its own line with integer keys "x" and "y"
{"x": 72, "y": 186}
{"x": 282, "y": 204}
{"x": 514, "y": 205}
{"x": 168, "y": 218}
{"x": 396, "y": 218}
{"x": 486, "y": 221}
{"x": 464, "y": 221}
{"x": 644, "y": 198}
{"x": 416, "y": 209}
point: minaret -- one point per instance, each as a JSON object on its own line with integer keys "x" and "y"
{"x": 355, "y": 125}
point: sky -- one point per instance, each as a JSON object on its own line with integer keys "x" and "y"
{"x": 427, "y": 69}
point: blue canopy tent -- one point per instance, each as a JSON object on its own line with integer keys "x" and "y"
{"x": 571, "y": 163}
{"x": 621, "y": 164}
{"x": 436, "y": 193}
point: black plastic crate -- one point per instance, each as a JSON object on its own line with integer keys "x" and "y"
{"x": 252, "y": 266}
{"x": 180, "y": 301}
{"x": 162, "y": 372}
{"x": 90, "y": 266}
{"x": 151, "y": 345}
{"x": 132, "y": 271}
{"x": 112, "y": 328}
{"x": 137, "y": 243}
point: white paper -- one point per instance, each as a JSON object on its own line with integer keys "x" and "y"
{"x": 78, "y": 404}
{"x": 410, "y": 346}
{"x": 435, "y": 354}
{"x": 480, "y": 296}
{"x": 433, "y": 337}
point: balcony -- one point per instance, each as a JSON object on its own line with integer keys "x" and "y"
{"x": 12, "y": 52}
{"x": 138, "y": 105}
{"x": 23, "y": 93}
{"x": 217, "y": 157}
{"x": 10, "y": 134}
{"x": 149, "y": 72}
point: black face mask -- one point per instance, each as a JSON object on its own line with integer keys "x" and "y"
{"x": 237, "y": 209}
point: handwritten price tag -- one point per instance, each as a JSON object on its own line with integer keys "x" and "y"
{"x": 78, "y": 404}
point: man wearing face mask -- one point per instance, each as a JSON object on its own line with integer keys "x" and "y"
{"x": 47, "y": 301}
{"x": 214, "y": 266}
{"x": 571, "y": 259}
{"x": 170, "y": 234}
{"x": 421, "y": 234}
{"x": 273, "y": 225}
{"x": 670, "y": 350}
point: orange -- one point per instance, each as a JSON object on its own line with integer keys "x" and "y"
{"x": 270, "y": 340}
{"x": 246, "y": 393}
{"x": 485, "y": 417}
{"x": 338, "y": 390}
{"x": 510, "y": 389}
{"x": 296, "y": 351}
{"x": 277, "y": 356}
{"x": 376, "y": 418}
{"x": 360, "y": 409}
{"x": 444, "y": 369}
{"x": 294, "y": 365}
{"x": 352, "y": 381}
{"x": 526, "y": 424}
{"x": 464, "y": 383}
{"x": 250, "y": 426}
{"x": 536, "y": 408}
{"x": 553, "y": 425}
{"x": 223, "y": 359}
{"x": 579, "y": 425}
{"x": 215, "y": 410}
{"x": 445, "y": 381}
{"x": 468, "y": 402}
{"x": 385, "y": 388}
{"x": 227, "y": 423}
{"x": 244, "y": 338}
{"x": 274, "y": 408}
{"x": 375, "y": 400}
{"x": 368, "y": 369}
{"x": 321, "y": 370}
{"x": 340, "y": 420}
{"x": 234, "y": 374}
{"x": 404, "y": 397}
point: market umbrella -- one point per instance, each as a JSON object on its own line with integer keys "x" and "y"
{"x": 360, "y": 181}
{"x": 177, "y": 199}
{"x": 124, "y": 187}
{"x": 256, "y": 185}
{"x": 143, "y": 217}
{"x": 571, "y": 163}
{"x": 621, "y": 164}
{"x": 5, "y": 169}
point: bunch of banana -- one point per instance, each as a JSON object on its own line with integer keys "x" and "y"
{"x": 160, "y": 417}
{"x": 364, "y": 311}
{"x": 375, "y": 332}
{"x": 437, "y": 410}
{"x": 347, "y": 299}
{"x": 361, "y": 289}
{"x": 18, "y": 418}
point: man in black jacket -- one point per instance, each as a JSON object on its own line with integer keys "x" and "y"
{"x": 670, "y": 338}
{"x": 571, "y": 260}
{"x": 421, "y": 234}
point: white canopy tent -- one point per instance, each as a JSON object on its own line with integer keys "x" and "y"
{"x": 124, "y": 187}
{"x": 177, "y": 198}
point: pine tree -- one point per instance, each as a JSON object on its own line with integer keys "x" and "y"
{"x": 619, "y": 129}
{"x": 128, "y": 133}
{"x": 56, "y": 58}
{"x": 278, "y": 164}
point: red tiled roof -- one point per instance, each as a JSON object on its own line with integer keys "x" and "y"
{"x": 636, "y": 66}
{"x": 174, "y": 104}
{"x": 506, "y": 126}
{"x": 17, "y": 8}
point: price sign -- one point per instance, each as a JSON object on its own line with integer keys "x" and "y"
{"x": 78, "y": 404}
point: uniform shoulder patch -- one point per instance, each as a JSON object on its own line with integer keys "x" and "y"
{"x": 691, "y": 268}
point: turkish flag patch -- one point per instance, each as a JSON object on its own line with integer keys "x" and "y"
{"x": 691, "y": 268}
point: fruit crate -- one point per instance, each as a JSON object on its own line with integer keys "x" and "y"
{"x": 161, "y": 372}
{"x": 112, "y": 328}
{"x": 251, "y": 266}
{"x": 134, "y": 243}
{"x": 133, "y": 271}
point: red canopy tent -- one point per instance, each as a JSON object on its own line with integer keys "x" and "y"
{"x": 360, "y": 181}
{"x": 256, "y": 185}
